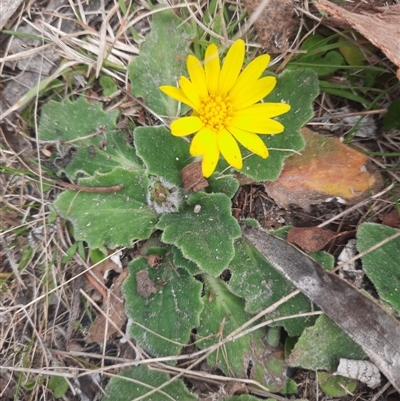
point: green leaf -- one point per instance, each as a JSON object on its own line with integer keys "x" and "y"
{"x": 181, "y": 261}
{"x": 85, "y": 138}
{"x": 290, "y": 387}
{"x": 70, "y": 252}
{"x": 320, "y": 347}
{"x": 326, "y": 260}
{"x": 138, "y": 381}
{"x": 206, "y": 237}
{"x": 352, "y": 52}
{"x": 255, "y": 280}
{"x": 222, "y": 183}
{"x": 164, "y": 155}
{"x": 382, "y": 264}
{"x": 58, "y": 385}
{"x": 336, "y": 386}
{"x": 161, "y": 61}
{"x": 343, "y": 91}
{"x": 108, "y": 85}
{"x": 245, "y": 357}
{"x": 287, "y": 89}
{"x": 391, "y": 120}
{"x": 319, "y": 56}
{"x": 112, "y": 219}
{"x": 162, "y": 322}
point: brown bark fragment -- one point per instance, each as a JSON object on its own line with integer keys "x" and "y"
{"x": 381, "y": 26}
{"x": 273, "y": 22}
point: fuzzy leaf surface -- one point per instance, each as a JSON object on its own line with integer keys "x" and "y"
{"x": 162, "y": 322}
{"x": 161, "y": 61}
{"x": 255, "y": 280}
{"x": 86, "y": 138}
{"x": 320, "y": 347}
{"x": 225, "y": 184}
{"x": 139, "y": 380}
{"x": 382, "y": 264}
{"x": 181, "y": 261}
{"x": 164, "y": 155}
{"x": 336, "y": 386}
{"x": 223, "y": 313}
{"x": 111, "y": 219}
{"x": 206, "y": 237}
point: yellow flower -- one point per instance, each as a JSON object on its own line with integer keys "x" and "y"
{"x": 225, "y": 106}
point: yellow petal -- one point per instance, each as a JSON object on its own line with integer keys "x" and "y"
{"x": 259, "y": 124}
{"x": 190, "y": 91}
{"x": 230, "y": 149}
{"x": 250, "y": 141}
{"x": 253, "y": 93}
{"x": 197, "y": 75}
{"x": 231, "y": 68}
{"x": 250, "y": 74}
{"x": 200, "y": 141}
{"x": 212, "y": 68}
{"x": 186, "y": 125}
{"x": 210, "y": 157}
{"x": 177, "y": 94}
{"x": 265, "y": 110}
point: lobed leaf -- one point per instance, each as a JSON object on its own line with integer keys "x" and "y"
{"x": 162, "y": 322}
{"x": 261, "y": 285}
{"x": 245, "y": 357}
{"x": 86, "y": 139}
{"x": 161, "y": 61}
{"x": 204, "y": 237}
{"x": 320, "y": 347}
{"x": 382, "y": 264}
{"x": 111, "y": 219}
{"x": 164, "y": 155}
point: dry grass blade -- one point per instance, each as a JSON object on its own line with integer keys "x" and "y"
{"x": 46, "y": 302}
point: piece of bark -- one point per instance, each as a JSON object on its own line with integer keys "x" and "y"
{"x": 311, "y": 239}
{"x": 381, "y": 27}
{"x": 360, "y": 317}
{"x": 273, "y": 22}
{"x": 392, "y": 219}
{"x": 145, "y": 287}
{"x": 192, "y": 177}
{"x": 7, "y": 9}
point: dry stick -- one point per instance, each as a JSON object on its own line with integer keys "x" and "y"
{"x": 123, "y": 362}
{"x": 19, "y": 308}
{"x": 231, "y": 337}
{"x": 356, "y": 206}
{"x": 102, "y": 190}
{"x": 99, "y": 310}
{"x": 354, "y": 114}
{"x": 377, "y": 332}
{"x": 360, "y": 255}
{"x": 228, "y": 338}
{"x": 13, "y": 264}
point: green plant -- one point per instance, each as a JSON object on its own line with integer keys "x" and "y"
{"x": 131, "y": 189}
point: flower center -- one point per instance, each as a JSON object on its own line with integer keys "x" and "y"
{"x": 215, "y": 112}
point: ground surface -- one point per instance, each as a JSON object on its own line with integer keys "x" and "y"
{"x": 44, "y": 297}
